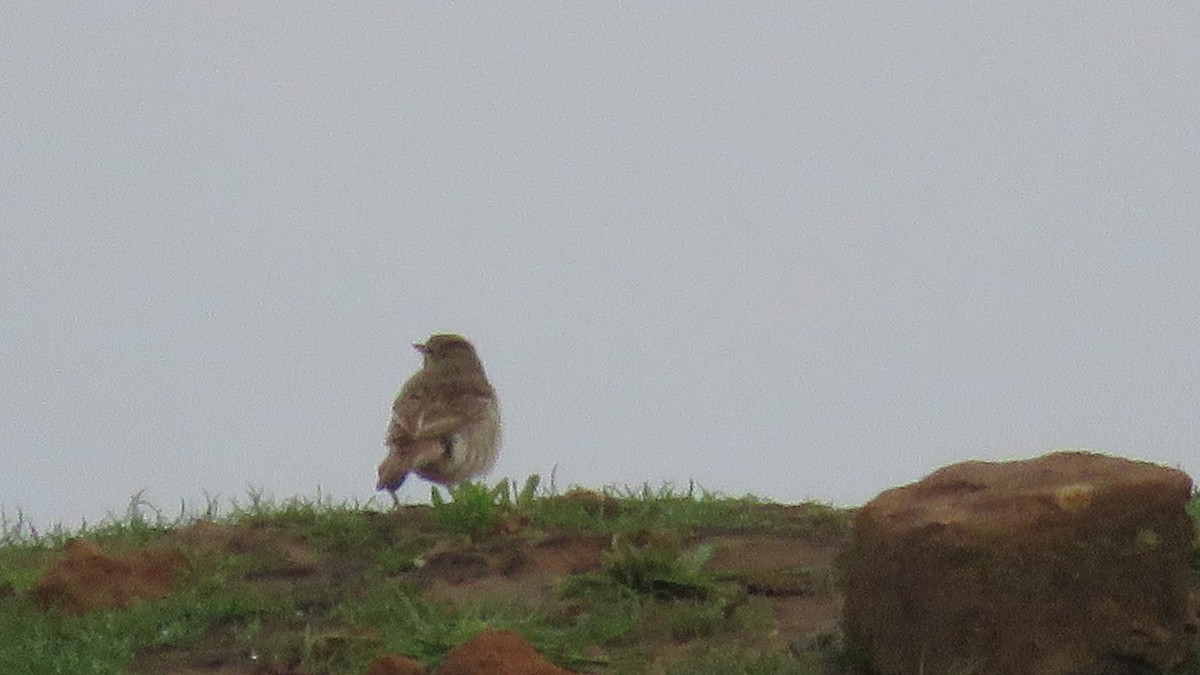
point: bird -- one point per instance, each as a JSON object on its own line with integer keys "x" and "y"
{"x": 445, "y": 424}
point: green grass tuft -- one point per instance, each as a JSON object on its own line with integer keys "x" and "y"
{"x": 473, "y": 509}
{"x": 654, "y": 564}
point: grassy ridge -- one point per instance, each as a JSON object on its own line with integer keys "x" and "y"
{"x": 323, "y": 587}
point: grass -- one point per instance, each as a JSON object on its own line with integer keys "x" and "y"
{"x": 474, "y": 508}
{"x": 103, "y": 642}
{"x": 319, "y": 586}
{"x": 355, "y": 597}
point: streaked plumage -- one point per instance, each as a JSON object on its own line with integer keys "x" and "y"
{"x": 445, "y": 423}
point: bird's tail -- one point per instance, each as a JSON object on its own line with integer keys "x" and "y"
{"x": 402, "y": 460}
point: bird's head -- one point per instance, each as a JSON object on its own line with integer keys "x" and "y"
{"x": 444, "y": 344}
{"x": 447, "y": 349}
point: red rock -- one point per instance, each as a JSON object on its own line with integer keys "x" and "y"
{"x": 497, "y": 652}
{"x": 86, "y": 579}
{"x": 1066, "y": 564}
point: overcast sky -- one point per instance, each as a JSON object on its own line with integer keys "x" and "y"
{"x": 804, "y": 250}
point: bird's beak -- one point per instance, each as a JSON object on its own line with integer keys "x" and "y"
{"x": 420, "y": 347}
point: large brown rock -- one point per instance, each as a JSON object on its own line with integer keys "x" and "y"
{"x": 1070, "y": 564}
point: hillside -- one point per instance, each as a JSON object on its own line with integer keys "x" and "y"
{"x": 617, "y": 581}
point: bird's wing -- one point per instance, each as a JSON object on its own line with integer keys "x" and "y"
{"x": 415, "y": 418}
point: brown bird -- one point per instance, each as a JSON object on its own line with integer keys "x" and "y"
{"x": 446, "y": 422}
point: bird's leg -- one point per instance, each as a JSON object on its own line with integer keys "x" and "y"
{"x": 395, "y": 501}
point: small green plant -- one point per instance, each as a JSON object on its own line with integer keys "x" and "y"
{"x": 16, "y": 529}
{"x": 600, "y": 607}
{"x": 694, "y": 620}
{"x": 523, "y": 499}
{"x": 473, "y": 509}
{"x": 653, "y": 564}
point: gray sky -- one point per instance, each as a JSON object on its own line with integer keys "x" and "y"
{"x": 807, "y": 250}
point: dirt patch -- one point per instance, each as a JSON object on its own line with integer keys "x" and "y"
{"x": 278, "y": 553}
{"x": 565, "y": 554}
{"x": 395, "y": 664}
{"x": 86, "y": 579}
{"x": 791, "y": 573}
{"x": 801, "y": 618}
{"x": 764, "y": 551}
{"x": 497, "y": 652}
{"x": 510, "y": 569}
{"x": 795, "y": 574}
